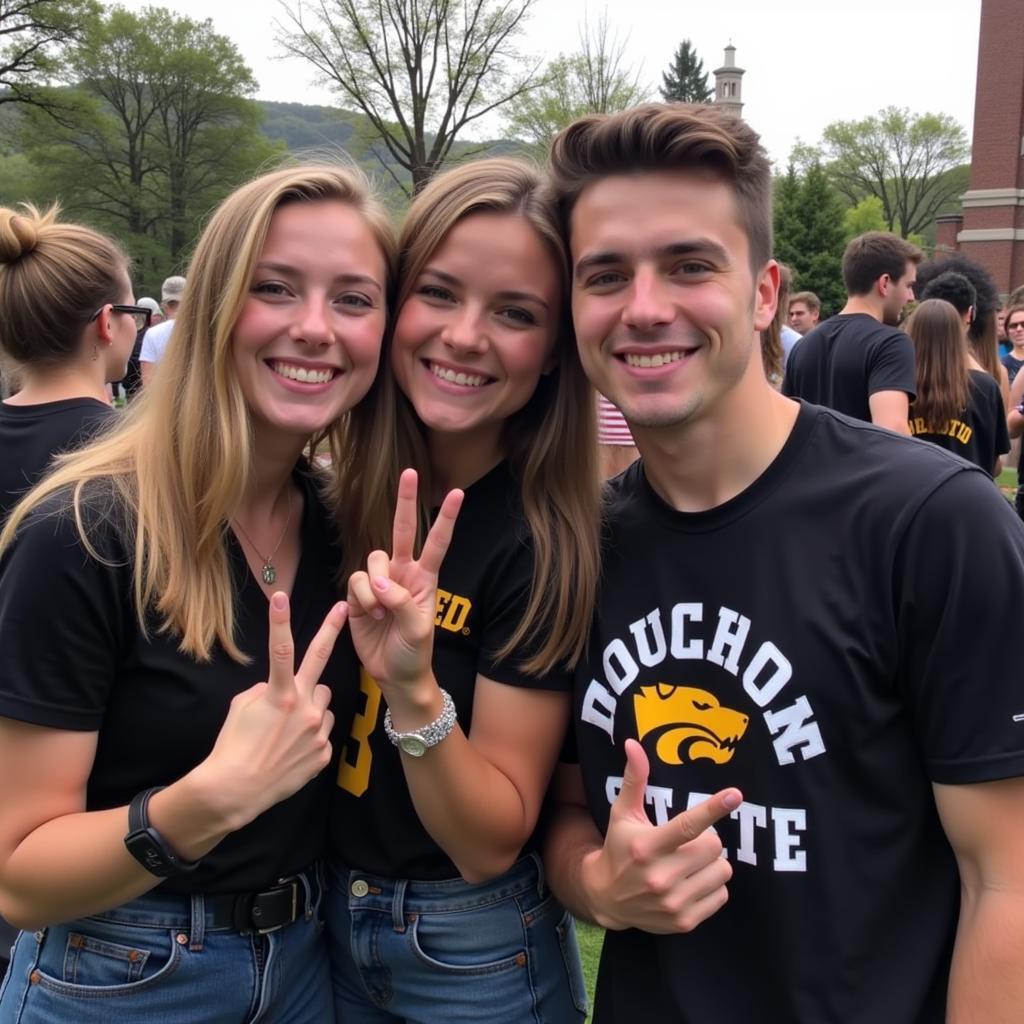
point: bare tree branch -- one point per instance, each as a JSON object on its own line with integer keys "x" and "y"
{"x": 421, "y": 71}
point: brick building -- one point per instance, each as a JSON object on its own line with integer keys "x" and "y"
{"x": 991, "y": 229}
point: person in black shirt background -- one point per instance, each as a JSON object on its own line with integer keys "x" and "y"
{"x": 68, "y": 323}
{"x": 169, "y": 813}
{"x": 957, "y": 407}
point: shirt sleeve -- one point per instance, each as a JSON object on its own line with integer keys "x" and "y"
{"x": 959, "y": 565}
{"x": 891, "y": 366}
{"x": 506, "y": 606}
{"x": 61, "y": 625}
{"x": 1002, "y": 432}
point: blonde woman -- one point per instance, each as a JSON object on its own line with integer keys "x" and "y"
{"x": 161, "y": 817}
{"x": 439, "y": 910}
{"x": 67, "y": 322}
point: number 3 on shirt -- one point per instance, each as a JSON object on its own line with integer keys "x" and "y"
{"x": 354, "y": 774}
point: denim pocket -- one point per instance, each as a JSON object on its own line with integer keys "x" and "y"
{"x": 570, "y": 947}
{"x": 484, "y": 940}
{"x": 92, "y": 961}
{"x": 106, "y": 961}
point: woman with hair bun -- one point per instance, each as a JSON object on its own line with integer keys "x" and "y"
{"x": 438, "y": 909}
{"x": 162, "y": 818}
{"x": 67, "y": 325}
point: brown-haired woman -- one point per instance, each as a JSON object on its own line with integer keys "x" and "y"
{"x": 438, "y": 909}
{"x": 957, "y": 408}
{"x": 161, "y": 817}
{"x": 67, "y": 324}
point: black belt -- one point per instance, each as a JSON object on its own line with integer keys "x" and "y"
{"x": 257, "y": 913}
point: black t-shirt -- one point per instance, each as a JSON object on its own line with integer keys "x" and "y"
{"x": 483, "y": 589}
{"x": 30, "y": 435}
{"x": 847, "y": 359}
{"x": 74, "y": 658}
{"x": 1012, "y": 364}
{"x": 980, "y": 434}
{"x": 832, "y": 642}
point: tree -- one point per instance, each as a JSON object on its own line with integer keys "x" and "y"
{"x": 421, "y": 71}
{"x": 809, "y": 234}
{"x": 155, "y": 129}
{"x": 903, "y": 159}
{"x": 33, "y": 34}
{"x": 686, "y": 81}
{"x": 594, "y": 80}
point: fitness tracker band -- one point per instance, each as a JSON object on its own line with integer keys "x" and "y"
{"x": 147, "y": 846}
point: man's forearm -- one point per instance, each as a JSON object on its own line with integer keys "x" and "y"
{"x": 571, "y": 837}
{"x": 986, "y": 981}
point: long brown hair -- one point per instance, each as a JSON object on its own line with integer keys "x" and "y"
{"x": 550, "y": 443}
{"x": 940, "y": 353}
{"x": 180, "y": 460}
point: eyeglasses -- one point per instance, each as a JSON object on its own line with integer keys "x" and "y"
{"x": 140, "y": 314}
{"x": 1017, "y": 325}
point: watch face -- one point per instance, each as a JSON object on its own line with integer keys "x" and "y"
{"x": 413, "y": 745}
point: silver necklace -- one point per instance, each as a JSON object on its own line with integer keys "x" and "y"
{"x": 268, "y": 572}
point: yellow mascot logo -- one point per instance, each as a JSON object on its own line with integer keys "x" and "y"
{"x": 691, "y": 722}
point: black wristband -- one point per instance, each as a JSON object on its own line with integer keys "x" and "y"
{"x": 147, "y": 846}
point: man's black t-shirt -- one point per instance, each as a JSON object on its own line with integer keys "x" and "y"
{"x": 831, "y": 641}
{"x": 74, "y": 658}
{"x": 483, "y": 590}
{"x": 847, "y": 359}
{"x": 980, "y": 434}
{"x": 30, "y": 435}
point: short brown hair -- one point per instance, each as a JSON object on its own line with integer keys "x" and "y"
{"x": 809, "y": 299}
{"x": 873, "y": 254}
{"x": 657, "y": 137}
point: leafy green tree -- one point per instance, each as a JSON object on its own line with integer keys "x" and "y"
{"x": 809, "y": 235}
{"x": 686, "y": 81}
{"x": 866, "y": 216}
{"x": 907, "y": 161}
{"x": 33, "y": 36}
{"x": 594, "y": 80}
{"x": 156, "y": 130}
{"x": 422, "y": 71}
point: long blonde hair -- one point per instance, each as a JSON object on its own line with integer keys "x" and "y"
{"x": 179, "y": 461}
{"x": 551, "y": 442}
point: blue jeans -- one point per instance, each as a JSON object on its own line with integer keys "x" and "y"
{"x": 503, "y": 952}
{"x": 155, "y": 959}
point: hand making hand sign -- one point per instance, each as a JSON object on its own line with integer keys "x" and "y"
{"x": 276, "y": 736}
{"x": 393, "y": 604}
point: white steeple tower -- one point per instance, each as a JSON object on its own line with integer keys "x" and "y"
{"x": 729, "y": 83}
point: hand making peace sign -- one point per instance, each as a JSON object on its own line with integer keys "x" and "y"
{"x": 393, "y": 604}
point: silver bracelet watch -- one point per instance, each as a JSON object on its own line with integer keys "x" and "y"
{"x": 419, "y": 741}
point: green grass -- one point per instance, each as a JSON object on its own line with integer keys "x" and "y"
{"x": 590, "y": 938}
{"x": 1008, "y": 478}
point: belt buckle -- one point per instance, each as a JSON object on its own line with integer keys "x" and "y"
{"x": 292, "y": 883}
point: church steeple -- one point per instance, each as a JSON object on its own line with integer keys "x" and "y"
{"x": 729, "y": 83}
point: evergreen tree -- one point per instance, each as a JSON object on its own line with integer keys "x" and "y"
{"x": 686, "y": 81}
{"x": 809, "y": 234}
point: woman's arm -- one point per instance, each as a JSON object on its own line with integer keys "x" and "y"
{"x": 59, "y": 861}
{"x": 478, "y": 797}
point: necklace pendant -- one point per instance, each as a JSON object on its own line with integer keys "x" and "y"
{"x": 269, "y": 574}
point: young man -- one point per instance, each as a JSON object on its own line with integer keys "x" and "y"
{"x": 804, "y": 312}
{"x": 857, "y": 362}
{"x": 154, "y": 342}
{"x": 774, "y": 616}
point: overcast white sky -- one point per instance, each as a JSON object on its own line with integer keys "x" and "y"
{"x": 808, "y": 62}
